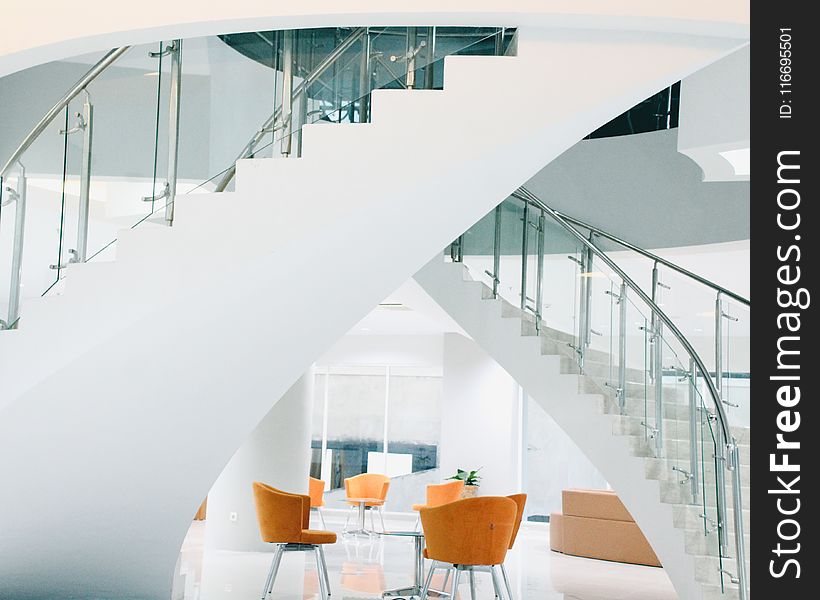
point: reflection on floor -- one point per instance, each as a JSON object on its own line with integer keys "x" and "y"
{"x": 362, "y": 567}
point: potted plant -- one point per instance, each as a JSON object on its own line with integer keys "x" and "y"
{"x": 470, "y": 479}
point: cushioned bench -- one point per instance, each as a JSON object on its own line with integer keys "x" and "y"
{"x": 596, "y": 524}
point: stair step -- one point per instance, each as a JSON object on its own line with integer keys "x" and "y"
{"x": 707, "y": 569}
{"x": 674, "y": 493}
{"x": 661, "y": 468}
{"x": 687, "y": 516}
{"x": 715, "y": 592}
{"x": 699, "y": 543}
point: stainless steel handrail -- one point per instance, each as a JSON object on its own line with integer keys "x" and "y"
{"x": 78, "y": 87}
{"x": 270, "y": 122}
{"x": 527, "y": 196}
{"x": 726, "y": 444}
{"x": 654, "y": 257}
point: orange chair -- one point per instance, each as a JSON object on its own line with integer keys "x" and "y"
{"x": 439, "y": 494}
{"x": 284, "y": 520}
{"x": 520, "y": 502}
{"x": 316, "y": 491}
{"x": 368, "y": 485}
{"x": 468, "y": 535}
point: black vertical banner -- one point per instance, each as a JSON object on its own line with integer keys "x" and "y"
{"x": 784, "y": 272}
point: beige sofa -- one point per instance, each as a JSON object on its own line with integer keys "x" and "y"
{"x": 596, "y": 524}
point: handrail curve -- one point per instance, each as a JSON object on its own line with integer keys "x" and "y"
{"x": 523, "y": 194}
{"x": 654, "y": 257}
{"x": 106, "y": 61}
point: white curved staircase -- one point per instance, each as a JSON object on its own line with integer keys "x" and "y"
{"x": 124, "y": 397}
{"x": 545, "y": 366}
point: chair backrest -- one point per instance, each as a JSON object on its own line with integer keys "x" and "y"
{"x": 473, "y": 531}
{"x": 316, "y": 491}
{"x": 520, "y": 502}
{"x": 367, "y": 485}
{"x": 282, "y": 516}
{"x": 439, "y": 494}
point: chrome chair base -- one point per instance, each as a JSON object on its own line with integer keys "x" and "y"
{"x": 471, "y": 570}
{"x": 318, "y": 511}
{"x": 321, "y": 567}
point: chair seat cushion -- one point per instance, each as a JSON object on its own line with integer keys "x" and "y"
{"x": 418, "y": 507}
{"x": 317, "y": 536}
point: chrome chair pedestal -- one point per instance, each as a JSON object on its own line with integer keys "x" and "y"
{"x": 321, "y": 567}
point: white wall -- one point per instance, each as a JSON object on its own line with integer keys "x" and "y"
{"x": 277, "y": 453}
{"x": 714, "y": 118}
{"x": 379, "y": 350}
{"x": 553, "y": 463}
{"x": 479, "y": 421}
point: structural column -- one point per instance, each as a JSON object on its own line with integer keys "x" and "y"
{"x": 277, "y": 452}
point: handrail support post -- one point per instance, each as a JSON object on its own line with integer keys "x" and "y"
{"x": 694, "y": 413}
{"x": 19, "y": 196}
{"x": 287, "y": 92}
{"x": 496, "y": 275}
{"x": 81, "y": 252}
{"x": 622, "y": 305}
{"x": 539, "y": 281}
{"x": 740, "y": 539}
{"x": 524, "y": 252}
{"x": 719, "y": 344}
{"x": 173, "y": 129}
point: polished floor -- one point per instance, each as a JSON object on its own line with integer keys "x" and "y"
{"x": 362, "y": 567}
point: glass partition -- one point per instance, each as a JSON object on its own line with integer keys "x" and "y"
{"x": 376, "y": 419}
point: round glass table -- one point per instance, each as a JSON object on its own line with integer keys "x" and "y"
{"x": 418, "y": 571}
{"x": 362, "y": 504}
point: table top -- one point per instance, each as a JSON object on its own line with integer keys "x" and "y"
{"x": 362, "y": 500}
{"x": 418, "y": 534}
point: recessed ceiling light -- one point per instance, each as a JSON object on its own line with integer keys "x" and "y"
{"x": 393, "y": 306}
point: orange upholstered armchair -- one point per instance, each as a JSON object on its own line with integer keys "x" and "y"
{"x": 368, "y": 485}
{"x": 468, "y": 535}
{"x": 439, "y": 494}
{"x": 316, "y": 491}
{"x": 284, "y": 520}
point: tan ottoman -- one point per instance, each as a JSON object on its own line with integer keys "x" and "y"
{"x": 596, "y": 524}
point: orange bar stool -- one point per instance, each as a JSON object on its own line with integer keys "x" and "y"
{"x": 316, "y": 491}
{"x": 370, "y": 486}
{"x": 284, "y": 520}
{"x": 467, "y": 536}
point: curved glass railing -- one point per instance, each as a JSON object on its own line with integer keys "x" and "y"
{"x": 715, "y": 319}
{"x": 587, "y": 308}
{"x": 81, "y": 175}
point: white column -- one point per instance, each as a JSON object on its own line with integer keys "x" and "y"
{"x": 278, "y": 453}
{"x": 479, "y": 417}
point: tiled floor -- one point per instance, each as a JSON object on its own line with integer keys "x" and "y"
{"x": 362, "y": 567}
